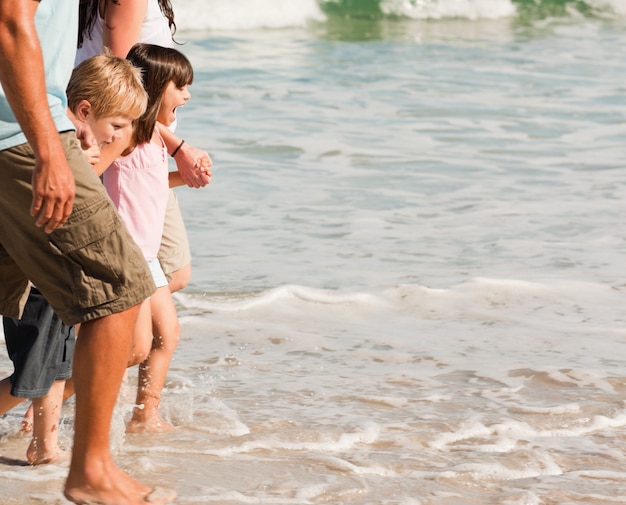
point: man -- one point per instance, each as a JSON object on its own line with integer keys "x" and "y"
{"x": 59, "y": 230}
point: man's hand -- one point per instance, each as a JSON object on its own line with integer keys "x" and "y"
{"x": 23, "y": 80}
{"x": 194, "y": 166}
{"x": 53, "y": 193}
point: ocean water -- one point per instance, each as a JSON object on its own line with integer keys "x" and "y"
{"x": 409, "y": 268}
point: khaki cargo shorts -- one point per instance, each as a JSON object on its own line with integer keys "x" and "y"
{"x": 88, "y": 268}
{"x": 174, "y": 252}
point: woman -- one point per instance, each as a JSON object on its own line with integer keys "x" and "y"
{"x": 118, "y": 25}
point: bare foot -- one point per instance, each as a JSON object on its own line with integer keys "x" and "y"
{"x": 27, "y": 422}
{"x": 114, "y": 487}
{"x": 154, "y": 424}
{"x": 44, "y": 456}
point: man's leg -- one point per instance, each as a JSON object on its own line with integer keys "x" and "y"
{"x": 100, "y": 360}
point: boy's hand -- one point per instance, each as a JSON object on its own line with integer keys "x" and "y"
{"x": 204, "y": 166}
{"x": 92, "y": 154}
{"x": 85, "y": 136}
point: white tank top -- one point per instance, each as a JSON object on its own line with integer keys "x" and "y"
{"x": 154, "y": 30}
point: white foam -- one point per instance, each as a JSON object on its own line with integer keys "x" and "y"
{"x": 440, "y": 9}
{"x": 346, "y": 441}
{"x": 389, "y": 401}
{"x": 617, "y": 6}
{"x": 244, "y": 14}
{"x": 572, "y": 408}
{"x": 224, "y": 420}
{"x": 237, "y": 497}
{"x": 541, "y": 465}
{"x": 43, "y": 473}
{"x": 342, "y": 465}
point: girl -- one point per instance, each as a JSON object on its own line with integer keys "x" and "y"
{"x": 118, "y": 25}
{"x": 138, "y": 183}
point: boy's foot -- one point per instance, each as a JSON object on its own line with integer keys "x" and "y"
{"x": 27, "y": 421}
{"x": 36, "y": 457}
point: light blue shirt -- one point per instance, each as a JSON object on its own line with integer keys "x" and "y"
{"x": 57, "y": 27}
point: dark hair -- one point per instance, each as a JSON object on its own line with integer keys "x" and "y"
{"x": 88, "y": 12}
{"x": 158, "y": 65}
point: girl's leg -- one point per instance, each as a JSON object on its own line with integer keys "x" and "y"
{"x": 142, "y": 336}
{"x": 153, "y": 371}
{"x": 180, "y": 278}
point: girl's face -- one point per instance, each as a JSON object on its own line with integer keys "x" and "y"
{"x": 108, "y": 129}
{"x": 173, "y": 97}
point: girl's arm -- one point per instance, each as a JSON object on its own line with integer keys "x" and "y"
{"x": 122, "y": 24}
{"x": 193, "y": 163}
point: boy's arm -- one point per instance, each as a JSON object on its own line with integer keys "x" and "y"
{"x": 108, "y": 153}
{"x": 193, "y": 164}
{"x": 83, "y": 134}
{"x": 175, "y": 179}
{"x": 23, "y": 80}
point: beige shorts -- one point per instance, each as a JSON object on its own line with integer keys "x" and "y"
{"x": 86, "y": 269}
{"x": 174, "y": 252}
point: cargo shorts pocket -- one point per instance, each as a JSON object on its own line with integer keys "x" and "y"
{"x": 92, "y": 246}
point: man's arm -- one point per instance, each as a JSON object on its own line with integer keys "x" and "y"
{"x": 22, "y": 78}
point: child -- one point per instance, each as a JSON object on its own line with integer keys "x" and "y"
{"x": 39, "y": 344}
{"x": 103, "y": 92}
{"x": 138, "y": 183}
{"x": 41, "y": 348}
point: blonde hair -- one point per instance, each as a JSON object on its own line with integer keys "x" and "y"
{"x": 112, "y": 86}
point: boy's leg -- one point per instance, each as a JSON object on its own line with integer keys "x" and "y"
{"x": 7, "y": 400}
{"x": 41, "y": 348}
{"x": 44, "y": 447}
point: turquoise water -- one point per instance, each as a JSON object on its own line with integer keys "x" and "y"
{"x": 408, "y": 280}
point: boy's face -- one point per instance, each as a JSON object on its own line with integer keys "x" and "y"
{"x": 173, "y": 97}
{"x": 110, "y": 128}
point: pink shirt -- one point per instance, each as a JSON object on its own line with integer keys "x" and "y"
{"x": 138, "y": 185}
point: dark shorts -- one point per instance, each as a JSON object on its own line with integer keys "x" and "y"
{"x": 88, "y": 268}
{"x": 40, "y": 346}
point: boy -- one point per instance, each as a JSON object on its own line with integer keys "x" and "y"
{"x": 106, "y": 94}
